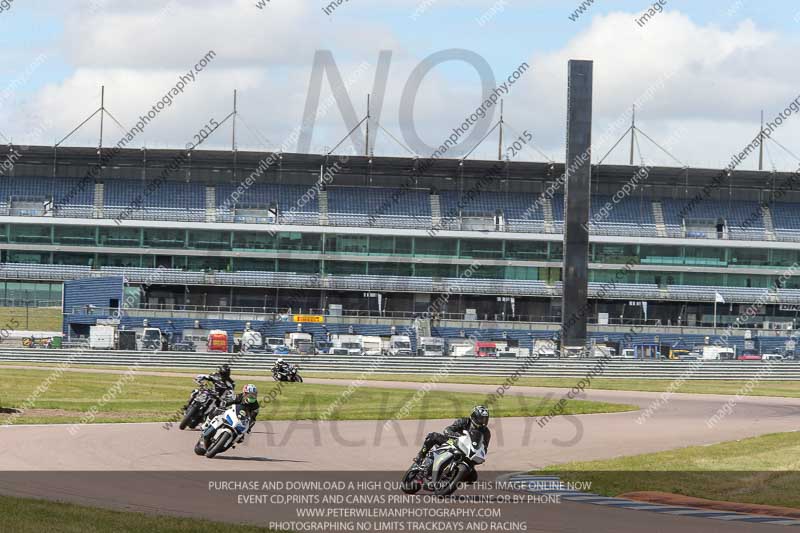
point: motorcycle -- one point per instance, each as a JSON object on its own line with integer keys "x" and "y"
{"x": 221, "y": 432}
{"x": 202, "y": 404}
{"x": 447, "y": 465}
{"x": 291, "y": 374}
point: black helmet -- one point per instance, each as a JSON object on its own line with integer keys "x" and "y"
{"x": 225, "y": 372}
{"x": 479, "y": 416}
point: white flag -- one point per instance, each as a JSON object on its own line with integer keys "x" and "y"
{"x": 718, "y": 299}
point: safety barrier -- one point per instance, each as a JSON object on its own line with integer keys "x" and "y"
{"x": 465, "y": 366}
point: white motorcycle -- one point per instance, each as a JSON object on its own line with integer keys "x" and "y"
{"x": 221, "y": 433}
{"x": 447, "y": 465}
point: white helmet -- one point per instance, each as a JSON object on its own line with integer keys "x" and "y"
{"x": 279, "y": 361}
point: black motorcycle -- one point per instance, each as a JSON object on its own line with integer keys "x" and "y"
{"x": 447, "y": 465}
{"x": 289, "y": 373}
{"x": 203, "y": 403}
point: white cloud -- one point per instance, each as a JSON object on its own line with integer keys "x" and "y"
{"x": 722, "y": 77}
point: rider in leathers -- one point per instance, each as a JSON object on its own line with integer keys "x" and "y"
{"x": 246, "y": 400}
{"x": 477, "y": 420}
{"x": 221, "y": 380}
{"x": 282, "y": 367}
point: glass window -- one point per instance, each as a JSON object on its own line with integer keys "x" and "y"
{"x": 661, "y": 255}
{"x": 436, "y": 271}
{"x": 389, "y": 269}
{"x": 783, "y": 257}
{"x": 110, "y": 236}
{"x": 703, "y": 278}
{"x": 345, "y": 268}
{"x": 379, "y": 245}
{"x": 75, "y": 235}
{"x": 486, "y": 271}
{"x": 255, "y": 265}
{"x": 556, "y": 251}
{"x": 206, "y": 264}
{"x": 301, "y": 266}
{"x": 529, "y": 250}
{"x": 254, "y": 241}
{"x": 300, "y": 242}
{"x": 402, "y": 245}
{"x": 749, "y": 257}
{"x": 68, "y": 258}
{"x": 39, "y": 258}
{"x": 614, "y": 253}
{"x": 119, "y": 260}
{"x": 488, "y": 249}
{"x": 705, "y": 256}
{"x": 30, "y": 233}
{"x": 346, "y": 244}
{"x": 164, "y": 238}
{"x": 435, "y": 247}
{"x": 209, "y": 240}
{"x": 519, "y": 272}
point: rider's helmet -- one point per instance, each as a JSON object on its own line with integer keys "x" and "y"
{"x": 224, "y": 372}
{"x": 249, "y": 393}
{"x": 279, "y": 361}
{"x": 479, "y": 416}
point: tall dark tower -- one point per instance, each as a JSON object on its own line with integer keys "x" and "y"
{"x": 575, "y": 306}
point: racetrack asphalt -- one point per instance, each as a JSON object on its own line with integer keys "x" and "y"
{"x": 159, "y": 461}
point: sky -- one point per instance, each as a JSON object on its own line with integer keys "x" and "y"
{"x": 700, "y": 72}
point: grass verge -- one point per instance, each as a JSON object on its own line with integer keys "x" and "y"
{"x": 785, "y": 389}
{"x": 760, "y": 470}
{"x": 23, "y": 515}
{"x": 135, "y": 398}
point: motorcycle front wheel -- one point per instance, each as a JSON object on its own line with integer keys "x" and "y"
{"x": 219, "y": 445}
{"x": 189, "y": 418}
{"x": 450, "y": 486}
{"x": 297, "y": 378}
{"x": 410, "y": 484}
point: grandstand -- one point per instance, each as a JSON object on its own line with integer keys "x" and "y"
{"x": 387, "y": 237}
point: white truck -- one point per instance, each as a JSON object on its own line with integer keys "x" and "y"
{"x": 300, "y": 343}
{"x": 462, "y": 348}
{"x": 102, "y": 337}
{"x": 273, "y": 343}
{"x": 544, "y": 348}
{"x": 719, "y": 353}
{"x": 252, "y": 341}
{"x": 430, "y": 346}
{"x": 371, "y": 344}
{"x": 400, "y": 345}
{"x": 152, "y": 339}
{"x": 601, "y": 350}
{"x": 351, "y": 344}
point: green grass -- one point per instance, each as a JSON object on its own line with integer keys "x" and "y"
{"x": 157, "y": 398}
{"x": 22, "y": 515}
{"x": 32, "y": 319}
{"x": 786, "y": 389}
{"x": 760, "y": 470}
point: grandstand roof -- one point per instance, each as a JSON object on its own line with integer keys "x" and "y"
{"x": 225, "y": 166}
